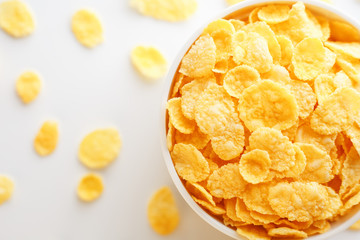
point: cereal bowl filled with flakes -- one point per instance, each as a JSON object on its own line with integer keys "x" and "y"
{"x": 261, "y": 121}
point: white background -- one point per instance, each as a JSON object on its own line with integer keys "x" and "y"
{"x": 83, "y": 90}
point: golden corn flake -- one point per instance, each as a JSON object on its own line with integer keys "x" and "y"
{"x": 320, "y": 204}
{"x": 230, "y": 207}
{"x": 343, "y": 32}
{"x": 223, "y": 42}
{"x": 348, "y": 49}
{"x": 201, "y": 58}
{"x": 28, "y": 86}
{"x": 220, "y": 24}
{"x": 197, "y": 138}
{"x": 255, "y": 166}
{"x": 265, "y": 31}
{"x": 87, "y": 28}
{"x": 6, "y": 188}
{"x": 318, "y": 164}
{"x": 350, "y": 174}
{"x": 244, "y": 213}
{"x": 168, "y": 10}
{"x": 309, "y": 59}
{"x": 278, "y": 74}
{"x": 189, "y": 162}
{"x": 324, "y": 86}
{"x": 90, "y": 187}
{"x": 305, "y": 97}
{"x": 253, "y": 16}
{"x": 287, "y": 49}
{"x": 289, "y": 233}
{"x": 177, "y": 118}
{"x": 16, "y": 18}
{"x": 239, "y": 78}
{"x": 264, "y": 218}
{"x": 46, "y": 139}
{"x": 299, "y": 164}
{"x": 268, "y": 104}
{"x": 190, "y": 94}
{"x": 254, "y": 52}
{"x": 170, "y": 137}
{"x": 162, "y": 212}
{"x": 256, "y": 198}
{"x": 226, "y": 182}
{"x": 337, "y": 112}
{"x": 253, "y": 232}
{"x": 100, "y": 148}
{"x": 318, "y": 227}
{"x": 273, "y": 14}
{"x": 238, "y": 24}
{"x": 353, "y": 201}
{"x": 216, "y": 210}
{"x": 355, "y": 226}
{"x": 354, "y": 134}
{"x": 350, "y": 67}
{"x": 199, "y": 192}
{"x": 149, "y": 62}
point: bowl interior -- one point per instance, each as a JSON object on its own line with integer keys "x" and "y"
{"x": 241, "y": 11}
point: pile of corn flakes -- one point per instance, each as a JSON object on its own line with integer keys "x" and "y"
{"x": 264, "y": 122}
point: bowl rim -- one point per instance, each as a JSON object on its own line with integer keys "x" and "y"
{"x": 165, "y": 94}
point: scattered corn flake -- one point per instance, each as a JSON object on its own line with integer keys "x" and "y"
{"x": 170, "y": 137}
{"x": 190, "y": 93}
{"x": 177, "y": 118}
{"x": 28, "y": 86}
{"x": 253, "y": 16}
{"x": 337, "y": 112}
{"x": 273, "y": 14}
{"x": 200, "y": 59}
{"x": 355, "y": 226}
{"x": 351, "y": 49}
{"x": 256, "y": 198}
{"x": 299, "y": 164}
{"x": 265, "y": 31}
{"x": 168, "y": 10}
{"x": 320, "y": 202}
{"x": 305, "y": 97}
{"x": 309, "y": 59}
{"x": 223, "y": 42}
{"x": 354, "y": 134}
{"x": 264, "y": 218}
{"x": 16, "y": 18}
{"x": 6, "y": 188}
{"x": 229, "y": 222}
{"x": 219, "y": 24}
{"x": 283, "y": 222}
{"x": 353, "y": 201}
{"x": 239, "y": 78}
{"x": 343, "y": 32}
{"x": 287, "y": 49}
{"x": 87, "y": 28}
{"x": 253, "y": 232}
{"x": 325, "y": 27}
{"x": 149, "y": 62}
{"x": 318, "y": 227}
{"x": 291, "y": 132}
{"x": 99, "y": 148}
{"x": 90, "y": 187}
{"x": 318, "y": 164}
{"x": 196, "y": 138}
{"x": 350, "y": 173}
{"x": 324, "y": 86}
{"x": 268, "y": 104}
{"x": 288, "y": 233}
{"x": 255, "y": 166}
{"x": 189, "y": 162}
{"x": 230, "y": 207}
{"x": 46, "y": 139}
{"x": 226, "y": 182}
{"x": 244, "y": 213}
{"x": 162, "y": 212}
{"x": 350, "y": 67}
{"x": 199, "y": 192}
{"x": 254, "y": 51}
{"x": 299, "y": 25}
{"x": 238, "y": 24}
{"x": 278, "y": 74}
{"x": 216, "y": 210}
{"x": 221, "y": 66}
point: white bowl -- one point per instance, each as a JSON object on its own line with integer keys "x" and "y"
{"x": 316, "y": 6}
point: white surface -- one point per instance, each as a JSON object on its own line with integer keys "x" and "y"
{"x": 83, "y": 90}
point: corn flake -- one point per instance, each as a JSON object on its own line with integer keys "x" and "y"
{"x": 253, "y": 232}
{"x": 238, "y": 24}
{"x": 220, "y": 24}
{"x": 168, "y": 10}
{"x": 256, "y": 198}
{"x": 350, "y": 67}
{"x": 46, "y": 139}
{"x": 199, "y": 192}
{"x": 170, "y": 137}
{"x": 87, "y": 28}
{"x": 28, "y": 86}
{"x": 239, "y": 78}
{"x": 16, "y": 18}
{"x": 348, "y": 49}
{"x": 343, "y": 32}
{"x": 350, "y": 173}
{"x": 177, "y": 118}
{"x": 255, "y": 166}
{"x": 201, "y": 58}
{"x": 90, "y": 187}
{"x": 287, "y": 49}
{"x": 189, "y": 162}
{"x": 318, "y": 164}
{"x": 216, "y": 210}
{"x": 100, "y": 148}
{"x": 6, "y": 188}
{"x": 149, "y": 62}
{"x": 162, "y": 212}
{"x": 288, "y": 233}
{"x": 278, "y": 74}
{"x": 305, "y": 97}
{"x": 226, "y": 182}
{"x": 273, "y": 14}
{"x": 299, "y": 164}
{"x": 196, "y": 138}
{"x": 253, "y": 16}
